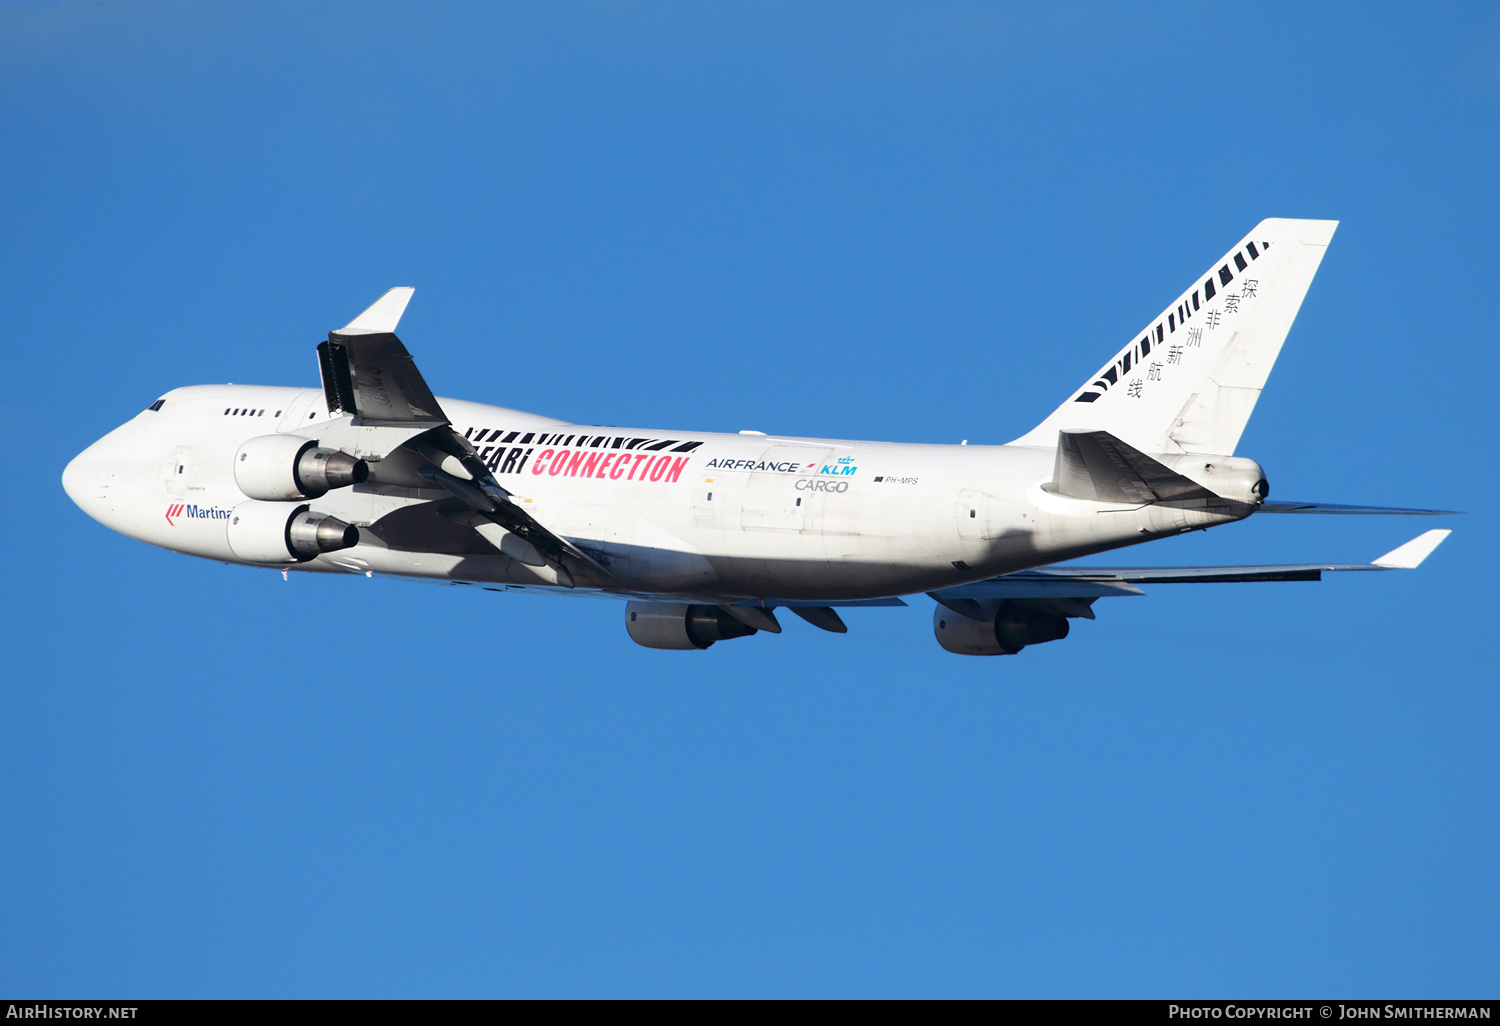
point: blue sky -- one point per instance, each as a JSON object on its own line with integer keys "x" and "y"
{"x": 918, "y": 222}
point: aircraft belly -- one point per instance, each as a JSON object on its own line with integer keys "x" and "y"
{"x": 637, "y": 552}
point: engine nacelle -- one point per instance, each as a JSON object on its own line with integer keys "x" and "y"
{"x": 268, "y": 532}
{"x": 677, "y": 625}
{"x": 1007, "y": 628}
{"x": 283, "y": 467}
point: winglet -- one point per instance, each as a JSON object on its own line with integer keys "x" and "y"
{"x": 381, "y": 316}
{"x": 1410, "y": 555}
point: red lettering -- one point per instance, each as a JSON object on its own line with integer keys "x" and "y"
{"x": 677, "y": 465}
{"x": 589, "y": 465}
{"x": 639, "y": 459}
{"x": 541, "y": 461}
{"x": 560, "y": 465}
{"x": 619, "y": 470}
{"x": 575, "y": 463}
{"x": 660, "y": 467}
{"x": 609, "y": 458}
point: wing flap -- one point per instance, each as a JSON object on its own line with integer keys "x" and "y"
{"x": 368, "y": 373}
{"x": 373, "y": 377}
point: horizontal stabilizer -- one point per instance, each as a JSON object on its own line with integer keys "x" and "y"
{"x": 1097, "y": 466}
{"x": 1329, "y": 507}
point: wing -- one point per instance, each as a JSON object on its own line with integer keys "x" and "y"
{"x": 381, "y": 403}
{"x": 368, "y": 373}
{"x": 1071, "y": 590}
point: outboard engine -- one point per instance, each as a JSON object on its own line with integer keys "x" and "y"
{"x": 677, "y": 625}
{"x": 269, "y": 532}
{"x": 283, "y": 467}
{"x": 1007, "y": 628}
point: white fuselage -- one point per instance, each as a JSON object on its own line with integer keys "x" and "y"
{"x": 730, "y": 517}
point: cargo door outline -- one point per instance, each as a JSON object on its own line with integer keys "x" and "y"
{"x": 772, "y": 500}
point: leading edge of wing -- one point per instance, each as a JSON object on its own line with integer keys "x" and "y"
{"x": 1090, "y": 581}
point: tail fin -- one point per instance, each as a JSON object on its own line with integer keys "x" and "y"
{"x": 1189, "y": 382}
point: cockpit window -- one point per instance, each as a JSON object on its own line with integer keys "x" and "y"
{"x": 157, "y": 405}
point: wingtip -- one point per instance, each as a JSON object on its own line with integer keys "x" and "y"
{"x": 1410, "y": 555}
{"x": 381, "y": 316}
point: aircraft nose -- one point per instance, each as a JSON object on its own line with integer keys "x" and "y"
{"x": 75, "y": 477}
{"x": 86, "y": 479}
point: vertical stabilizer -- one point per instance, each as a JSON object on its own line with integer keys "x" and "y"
{"x": 1189, "y": 382}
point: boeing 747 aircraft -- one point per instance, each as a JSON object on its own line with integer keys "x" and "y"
{"x": 705, "y": 536}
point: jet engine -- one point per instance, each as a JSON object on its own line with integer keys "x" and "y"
{"x": 677, "y": 625}
{"x": 283, "y": 467}
{"x": 1007, "y": 628}
{"x": 267, "y": 532}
